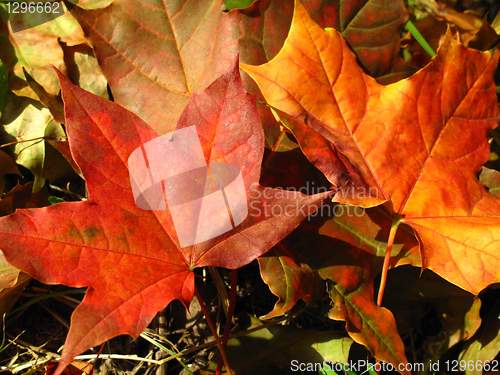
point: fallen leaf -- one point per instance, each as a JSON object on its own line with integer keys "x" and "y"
{"x": 319, "y": 151}
{"x": 437, "y": 120}
{"x": 485, "y": 38}
{"x": 467, "y": 24}
{"x": 347, "y": 250}
{"x": 12, "y": 280}
{"x": 21, "y": 51}
{"x": 51, "y": 101}
{"x": 491, "y": 178}
{"x": 283, "y": 346}
{"x": 94, "y": 4}
{"x": 7, "y": 166}
{"x": 468, "y": 28}
{"x": 84, "y": 71}
{"x": 371, "y": 32}
{"x": 368, "y": 230}
{"x": 10, "y": 294}
{"x": 154, "y": 55}
{"x": 483, "y": 348}
{"x": 54, "y": 133}
{"x": 26, "y": 122}
{"x": 349, "y": 272}
{"x": 22, "y": 196}
{"x": 74, "y": 368}
{"x": 53, "y": 16}
{"x": 129, "y": 257}
{"x": 8, "y": 274}
{"x": 296, "y": 281}
{"x": 411, "y": 293}
{"x": 370, "y": 27}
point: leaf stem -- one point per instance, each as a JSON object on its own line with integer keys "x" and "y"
{"x": 47, "y": 137}
{"x": 229, "y": 316}
{"x": 385, "y": 268}
{"x": 212, "y": 328}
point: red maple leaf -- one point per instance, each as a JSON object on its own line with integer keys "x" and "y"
{"x": 128, "y": 257}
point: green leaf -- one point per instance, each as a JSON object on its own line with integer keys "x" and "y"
{"x": 54, "y": 200}
{"x": 280, "y": 345}
{"x": 410, "y": 293}
{"x": 92, "y": 4}
{"x": 296, "y": 280}
{"x": 237, "y": 4}
{"x": 26, "y": 122}
{"x": 347, "y": 255}
{"x": 36, "y": 49}
{"x": 491, "y": 178}
{"x": 485, "y": 344}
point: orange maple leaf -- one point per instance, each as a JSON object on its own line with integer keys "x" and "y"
{"x": 416, "y": 146}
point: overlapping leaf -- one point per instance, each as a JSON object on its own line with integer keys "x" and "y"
{"x": 155, "y": 54}
{"x": 374, "y": 39}
{"x": 417, "y": 144}
{"x": 351, "y": 292}
{"x": 84, "y": 71}
{"x": 491, "y": 178}
{"x": 289, "y": 280}
{"x": 260, "y": 351}
{"x": 467, "y": 27}
{"x": 25, "y": 123}
{"x": 10, "y": 294}
{"x": 21, "y": 50}
{"x": 484, "y": 346}
{"x": 348, "y": 253}
{"x": 94, "y": 4}
{"x": 129, "y": 257}
{"x": 24, "y": 118}
{"x": 411, "y": 293}
{"x": 8, "y": 274}
{"x": 370, "y": 27}
{"x": 7, "y": 166}
{"x": 12, "y": 281}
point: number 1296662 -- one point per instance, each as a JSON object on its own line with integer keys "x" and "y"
{"x": 487, "y": 366}
{"x": 32, "y": 7}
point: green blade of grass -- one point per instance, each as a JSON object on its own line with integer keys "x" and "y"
{"x": 420, "y": 39}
